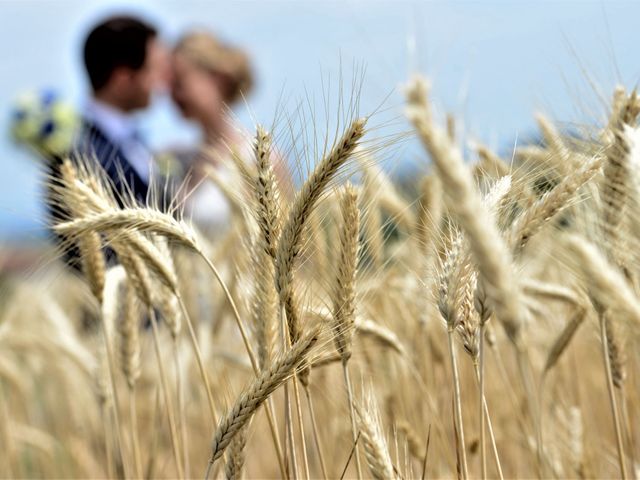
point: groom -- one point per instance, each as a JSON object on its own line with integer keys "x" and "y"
{"x": 125, "y": 63}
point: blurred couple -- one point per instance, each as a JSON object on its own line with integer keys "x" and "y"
{"x": 126, "y": 63}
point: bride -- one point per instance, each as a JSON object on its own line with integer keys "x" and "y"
{"x": 209, "y": 78}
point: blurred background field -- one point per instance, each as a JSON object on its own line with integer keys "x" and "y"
{"x": 411, "y": 278}
{"x": 492, "y": 63}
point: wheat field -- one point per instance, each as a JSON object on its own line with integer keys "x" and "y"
{"x": 484, "y": 326}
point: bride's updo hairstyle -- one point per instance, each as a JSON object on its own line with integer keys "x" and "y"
{"x": 230, "y": 63}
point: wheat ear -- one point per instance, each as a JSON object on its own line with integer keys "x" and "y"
{"x": 344, "y": 301}
{"x": 236, "y": 455}
{"x": 122, "y": 224}
{"x": 616, "y": 186}
{"x": 265, "y": 302}
{"x": 267, "y": 193}
{"x": 550, "y": 204}
{"x": 258, "y": 391}
{"x": 344, "y": 289}
{"x": 128, "y": 327}
{"x": 610, "y": 294}
{"x": 491, "y": 163}
{"x": 487, "y": 246}
{"x": 134, "y": 218}
{"x": 606, "y": 286}
{"x": 617, "y": 357}
{"x": 375, "y": 447}
{"x": 290, "y": 241}
{"x": 265, "y": 307}
{"x": 89, "y": 244}
{"x": 430, "y": 209}
{"x": 560, "y": 154}
{"x": 564, "y": 339}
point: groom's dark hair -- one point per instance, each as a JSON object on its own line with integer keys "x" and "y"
{"x": 116, "y": 42}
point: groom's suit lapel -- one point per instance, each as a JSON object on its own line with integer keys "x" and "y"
{"x": 94, "y": 142}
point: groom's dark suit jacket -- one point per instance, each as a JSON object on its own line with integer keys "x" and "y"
{"x": 93, "y": 143}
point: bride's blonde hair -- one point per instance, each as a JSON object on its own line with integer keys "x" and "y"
{"x": 208, "y": 52}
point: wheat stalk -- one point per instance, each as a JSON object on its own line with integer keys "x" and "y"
{"x": 488, "y": 249}
{"x": 290, "y": 241}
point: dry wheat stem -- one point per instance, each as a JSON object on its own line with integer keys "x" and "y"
{"x": 489, "y": 424}
{"x": 128, "y": 327}
{"x": 116, "y": 408}
{"x": 290, "y": 444}
{"x": 352, "y": 414}
{"x": 252, "y": 358}
{"x": 303, "y": 440}
{"x": 182, "y": 414}
{"x": 450, "y": 264}
{"x": 559, "y": 346}
{"x": 480, "y": 369}
{"x": 172, "y": 313}
{"x": 198, "y": 355}
{"x": 167, "y": 395}
{"x": 112, "y": 379}
{"x": 159, "y": 263}
{"x": 104, "y": 414}
{"x": 316, "y": 434}
{"x": 135, "y": 441}
{"x": 612, "y": 398}
{"x": 457, "y": 403}
{"x": 5, "y": 434}
{"x": 156, "y": 416}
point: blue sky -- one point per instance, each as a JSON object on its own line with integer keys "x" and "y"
{"x": 492, "y": 63}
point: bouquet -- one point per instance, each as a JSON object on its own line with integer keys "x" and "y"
{"x": 44, "y": 121}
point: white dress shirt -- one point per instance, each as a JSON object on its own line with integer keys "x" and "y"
{"x": 120, "y": 128}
